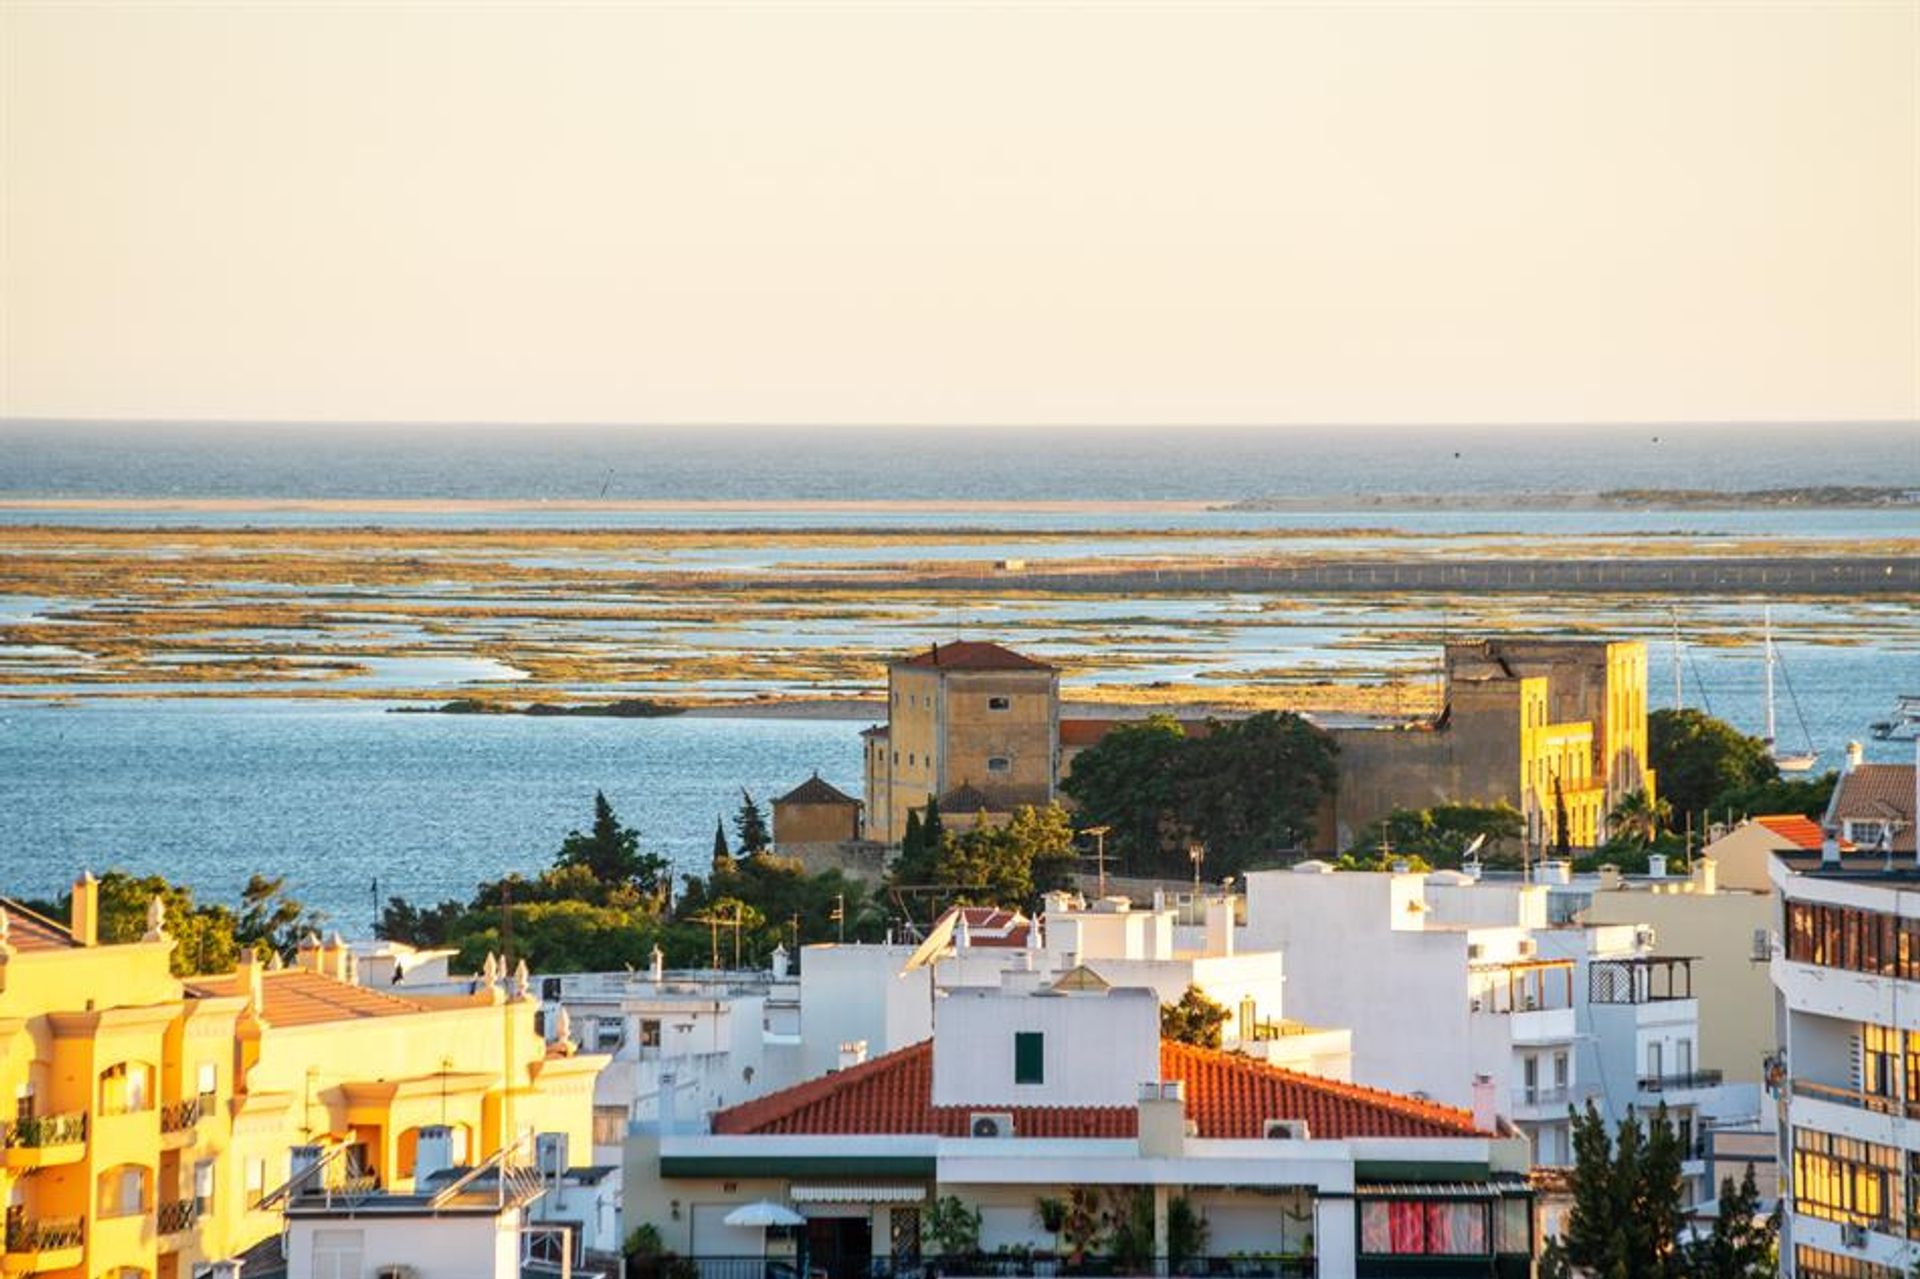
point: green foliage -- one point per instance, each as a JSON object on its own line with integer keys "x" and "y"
{"x": 1130, "y": 1225}
{"x": 1381, "y": 861}
{"x": 207, "y": 938}
{"x": 1638, "y": 819}
{"x": 1439, "y": 835}
{"x": 1003, "y": 865}
{"x": 750, "y": 827}
{"x": 951, "y": 1227}
{"x": 1084, "y": 1224}
{"x": 561, "y": 936}
{"x": 1193, "y": 1019}
{"x": 1626, "y": 1216}
{"x": 1807, "y": 797}
{"x": 425, "y": 926}
{"x": 1743, "y": 1244}
{"x": 1246, "y": 789}
{"x": 1050, "y": 1213}
{"x": 1699, "y": 759}
{"x": 1187, "y": 1230}
{"x": 722, "y": 864}
{"x": 611, "y": 852}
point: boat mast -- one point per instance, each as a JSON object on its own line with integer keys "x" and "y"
{"x": 1677, "y": 695}
{"x": 1767, "y": 642}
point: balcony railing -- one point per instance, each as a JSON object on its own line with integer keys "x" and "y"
{"x": 990, "y": 1266}
{"x": 40, "y": 1131}
{"x": 1564, "y": 1095}
{"x": 49, "y": 1234}
{"x": 1856, "y": 1098}
{"x": 178, "y": 1116}
{"x": 178, "y": 1215}
{"x": 1681, "y": 1082}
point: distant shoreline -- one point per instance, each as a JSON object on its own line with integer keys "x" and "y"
{"x": 1822, "y": 497}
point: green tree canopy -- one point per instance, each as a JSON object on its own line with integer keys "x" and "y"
{"x": 208, "y": 938}
{"x": 1699, "y": 758}
{"x": 1245, "y": 789}
{"x": 1004, "y": 865}
{"x": 1193, "y": 1019}
{"x": 750, "y": 826}
{"x": 1439, "y": 835}
{"x": 1626, "y": 1218}
{"x": 611, "y": 852}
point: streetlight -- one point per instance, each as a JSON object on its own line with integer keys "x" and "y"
{"x": 1197, "y": 854}
{"x": 1100, "y": 834}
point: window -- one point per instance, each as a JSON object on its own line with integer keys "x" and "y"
{"x": 1530, "y": 1070}
{"x": 650, "y": 1032}
{"x": 1411, "y": 1227}
{"x": 1029, "y": 1057}
{"x": 1844, "y": 1179}
{"x": 337, "y": 1254}
{"x": 999, "y": 764}
{"x": 1653, "y": 1060}
{"x": 126, "y": 1089}
{"x": 609, "y": 1125}
{"x": 999, "y": 703}
{"x": 208, "y": 1082}
{"x": 24, "y": 1103}
{"x": 608, "y": 1034}
{"x": 1815, "y": 1263}
{"x": 1560, "y": 1063}
{"x": 123, "y": 1191}
{"x": 256, "y": 1180}
{"x": 203, "y": 1186}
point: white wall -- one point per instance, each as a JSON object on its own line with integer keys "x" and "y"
{"x": 469, "y": 1247}
{"x": 859, "y": 992}
{"x": 1099, "y": 1048}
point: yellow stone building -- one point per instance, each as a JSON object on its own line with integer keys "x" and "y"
{"x": 149, "y": 1119}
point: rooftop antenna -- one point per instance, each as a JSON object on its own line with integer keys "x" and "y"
{"x": 1679, "y": 698}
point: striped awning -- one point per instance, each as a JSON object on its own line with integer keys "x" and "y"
{"x": 1428, "y": 1190}
{"x": 858, "y": 1194}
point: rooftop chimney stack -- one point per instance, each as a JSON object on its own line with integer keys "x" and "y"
{"x": 1485, "y": 1116}
{"x": 85, "y": 918}
{"x": 1856, "y": 756}
{"x": 1829, "y": 850}
{"x": 432, "y": 1152}
{"x": 853, "y": 1053}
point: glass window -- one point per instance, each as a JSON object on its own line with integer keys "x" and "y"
{"x": 208, "y": 1082}
{"x": 650, "y": 1032}
{"x": 999, "y": 703}
{"x": 999, "y": 764}
{"x": 1029, "y": 1057}
{"x": 1412, "y": 1227}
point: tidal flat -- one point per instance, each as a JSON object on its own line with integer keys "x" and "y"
{"x": 803, "y": 620}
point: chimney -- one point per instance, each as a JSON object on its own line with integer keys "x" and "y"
{"x": 432, "y": 1153}
{"x": 962, "y": 935}
{"x": 1706, "y": 875}
{"x": 1656, "y": 865}
{"x": 86, "y": 910}
{"x": 1829, "y": 850}
{"x": 779, "y": 963}
{"x": 1219, "y": 926}
{"x": 1485, "y": 1116}
{"x": 253, "y": 978}
{"x": 657, "y": 966}
{"x": 1856, "y": 756}
{"x": 1163, "y": 1119}
{"x": 1609, "y": 878}
{"x": 853, "y": 1052}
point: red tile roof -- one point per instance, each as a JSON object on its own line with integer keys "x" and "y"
{"x": 1876, "y": 793}
{"x": 28, "y": 931}
{"x": 973, "y": 655}
{"x": 992, "y": 926}
{"x": 1088, "y": 732}
{"x": 1227, "y": 1096}
{"x": 816, "y": 790}
{"x": 1800, "y": 832}
{"x": 300, "y": 997}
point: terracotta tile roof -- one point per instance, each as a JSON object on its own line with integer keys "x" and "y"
{"x": 1088, "y": 732}
{"x": 973, "y": 655}
{"x": 1227, "y": 1096}
{"x": 1876, "y": 793}
{"x": 28, "y": 931}
{"x": 992, "y": 926}
{"x": 967, "y": 798}
{"x": 300, "y": 997}
{"x": 1800, "y": 832}
{"x": 816, "y": 791}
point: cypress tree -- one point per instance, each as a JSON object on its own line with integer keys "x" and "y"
{"x": 722, "y": 855}
{"x": 751, "y": 827}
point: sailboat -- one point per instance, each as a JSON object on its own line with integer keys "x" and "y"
{"x": 1786, "y": 761}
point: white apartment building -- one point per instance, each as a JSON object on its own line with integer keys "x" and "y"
{"x": 1846, "y": 977}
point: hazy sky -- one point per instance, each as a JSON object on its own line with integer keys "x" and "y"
{"x": 913, "y": 212}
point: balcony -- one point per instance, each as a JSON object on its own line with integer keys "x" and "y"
{"x": 1555, "y": 1099}
{"x": 178, "y": 1119}
{"x": 1643, "y": 980}
{"x": 178, "y": 1216}
{"x": 1687, "y": 1082}
{"x": 45, "y": 1141}
{"x": 36, "y": 1247}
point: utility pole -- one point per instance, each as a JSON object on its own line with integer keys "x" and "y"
{"x": 1100, "y": 834}
{"x": 840, "y": 913}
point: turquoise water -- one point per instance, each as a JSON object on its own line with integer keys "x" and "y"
{"x": 334, "y": 795}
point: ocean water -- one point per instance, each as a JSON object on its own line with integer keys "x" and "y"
{"x": 571, "y": 463}
{"x": 335, "y": 795}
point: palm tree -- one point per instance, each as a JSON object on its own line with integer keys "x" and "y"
{"x": 1638, "y": 818}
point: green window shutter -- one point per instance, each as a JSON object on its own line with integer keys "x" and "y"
{"x": 1029, "y": 1057}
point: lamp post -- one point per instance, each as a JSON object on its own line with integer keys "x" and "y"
{"x": 1197, "y": 854}
{"x": 1100, "y": 834}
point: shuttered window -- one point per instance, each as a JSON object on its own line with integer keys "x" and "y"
{"x": 1029, "y": 1057}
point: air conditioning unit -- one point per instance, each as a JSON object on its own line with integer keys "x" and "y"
{"x": 990, "y": 1123}
{"x": 1286, "y": 1130}
{"x": 1853, "y": 1234}
{"x": 550, "y": 990}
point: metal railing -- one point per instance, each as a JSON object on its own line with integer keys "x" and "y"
{"x": 45, "y": 1235}
{"x": 41, "y": 1131}
{"x": 1676, "y": 1083}
{"x": 984, "y": 1266}
{"x": 1857, "y": 1098}
{"x": 178, "y": 1215}
{"x": 178, "y": 1116}
{"x": 1562, "y": 1095}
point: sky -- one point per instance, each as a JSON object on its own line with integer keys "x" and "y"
{"x": 960, "y": 213}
